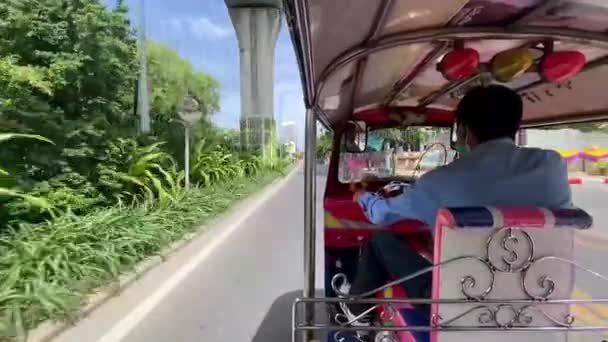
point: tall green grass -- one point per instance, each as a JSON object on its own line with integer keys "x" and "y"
{"x": 46, "y": 270}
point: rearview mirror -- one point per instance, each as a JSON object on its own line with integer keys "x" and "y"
{"x": 354, "y": 137}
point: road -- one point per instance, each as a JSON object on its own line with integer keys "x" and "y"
{"x": 229, "y": 295}
{"x": 592, "y": 248}
{"x": 592, "y": 251}
{"x": 242, "y": 288}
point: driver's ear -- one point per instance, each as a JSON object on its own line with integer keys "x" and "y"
{"x": 460, "y": 133}
{"x": 470, "y": 138}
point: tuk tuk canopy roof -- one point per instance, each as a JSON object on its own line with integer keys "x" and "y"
{"x": 375, "y": 55}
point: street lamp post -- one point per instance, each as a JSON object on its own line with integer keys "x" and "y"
{"x": 190, "y": 113}
{"x": 280, "y": 126}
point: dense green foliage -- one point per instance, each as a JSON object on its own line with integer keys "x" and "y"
{"x": 76, "y": 56}
{"x": 324, "y": 144}
{"x": 68, "y": 71}
{"x": 410, "y": 138}
{"x": 83, "y": 195}
{"x": 172, "y": 78}
{"x": 47, "y": 269}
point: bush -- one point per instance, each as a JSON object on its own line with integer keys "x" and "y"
{"x": 131, "y": 171}
{"x": 602, "y": 166}
{"x": 324, "y": 145}
{"x": 213, "y": 163}
{"x": 8, "y": 183}
{"x": 47, "y": 269}
{"x": 66, "y": 192}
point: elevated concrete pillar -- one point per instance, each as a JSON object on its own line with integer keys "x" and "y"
{"x": 257, "y": 25}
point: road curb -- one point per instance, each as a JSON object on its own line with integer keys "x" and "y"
{"x": 47, "y": 331}
{"x": 587, "y": 179}
{"x": 593, "y": 236}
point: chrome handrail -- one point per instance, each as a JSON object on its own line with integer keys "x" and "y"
{"x": 520, "y": 323}
{"x": 514, "y": 314}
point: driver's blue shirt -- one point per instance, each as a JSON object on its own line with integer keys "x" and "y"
{"x": 495, "y": 173}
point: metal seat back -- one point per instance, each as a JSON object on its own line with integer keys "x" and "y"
{"x": 505, "y": 262}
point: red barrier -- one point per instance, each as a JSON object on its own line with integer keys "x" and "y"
{"x": 605, "y": 180}
{"x": 575, "y": 180}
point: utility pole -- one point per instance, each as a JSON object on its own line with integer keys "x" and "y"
{"x": 279, "y": 128}
{"x": 143, "y": 103}
{"x": 187, "y": 156}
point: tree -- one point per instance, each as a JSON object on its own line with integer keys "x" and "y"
{"x": 172, "y": 77}
{"x": 324, "y": 144}
{"x": 410, "y": 137}
{"x": 68, "y": 71}
{"x": 84, "y": 52}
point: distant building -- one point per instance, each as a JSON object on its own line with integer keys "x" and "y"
{"x": 289, "y": 133}
{"x": 290, "y": 148}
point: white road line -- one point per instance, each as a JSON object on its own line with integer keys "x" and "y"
{"x": 139, "y": 313}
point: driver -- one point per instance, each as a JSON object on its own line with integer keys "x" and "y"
{"x": 492, "y": 171}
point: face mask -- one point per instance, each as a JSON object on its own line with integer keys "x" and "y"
{"x": 462, "y": 149}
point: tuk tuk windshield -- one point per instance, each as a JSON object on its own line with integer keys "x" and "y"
{"x": 396, "y": 153}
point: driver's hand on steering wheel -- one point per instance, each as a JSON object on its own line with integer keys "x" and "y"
{"x": 357, "y": 195}
{"x": 358, "y": 188}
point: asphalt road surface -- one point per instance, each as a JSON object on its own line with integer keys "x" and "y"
{"x": 592, "y": 252}
{"x": 236, "y": 282}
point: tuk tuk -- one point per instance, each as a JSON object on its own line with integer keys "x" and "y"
{"x": 373, "y": 70}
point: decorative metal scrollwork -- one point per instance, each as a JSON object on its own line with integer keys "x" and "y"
{"x": 545, "y": 282}
{"x": 527, "y": 319}
{"x": 515, "y": 254}
{"x": 508, "y": 250}
{"x": 469, "y": 283}
{"x": 505, "y": 316}
{"x": 509, "y": 240}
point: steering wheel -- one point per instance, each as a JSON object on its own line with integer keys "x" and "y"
{"x": 427, "y": 150}
{"x": 393, "y": 188}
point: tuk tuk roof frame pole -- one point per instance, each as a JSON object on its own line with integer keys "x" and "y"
{"x": 310, "y": 141}
{"x": 310, "y": 231}
{"x": 379, "y": 20}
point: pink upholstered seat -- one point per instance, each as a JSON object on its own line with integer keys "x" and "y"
{"x": 504, "y": 254}
{"x": 487, "y": 253}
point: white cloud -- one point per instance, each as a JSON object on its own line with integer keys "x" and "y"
{"x": 202, "y": 28}
{"x": 205, "y": 28}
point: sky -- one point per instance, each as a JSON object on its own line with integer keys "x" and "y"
{"x": 201, "y": 31}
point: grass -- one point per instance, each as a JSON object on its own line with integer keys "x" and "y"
{"x": 47, "y": 270}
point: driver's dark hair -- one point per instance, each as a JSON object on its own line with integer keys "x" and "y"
{"x": 491, "y": 112}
